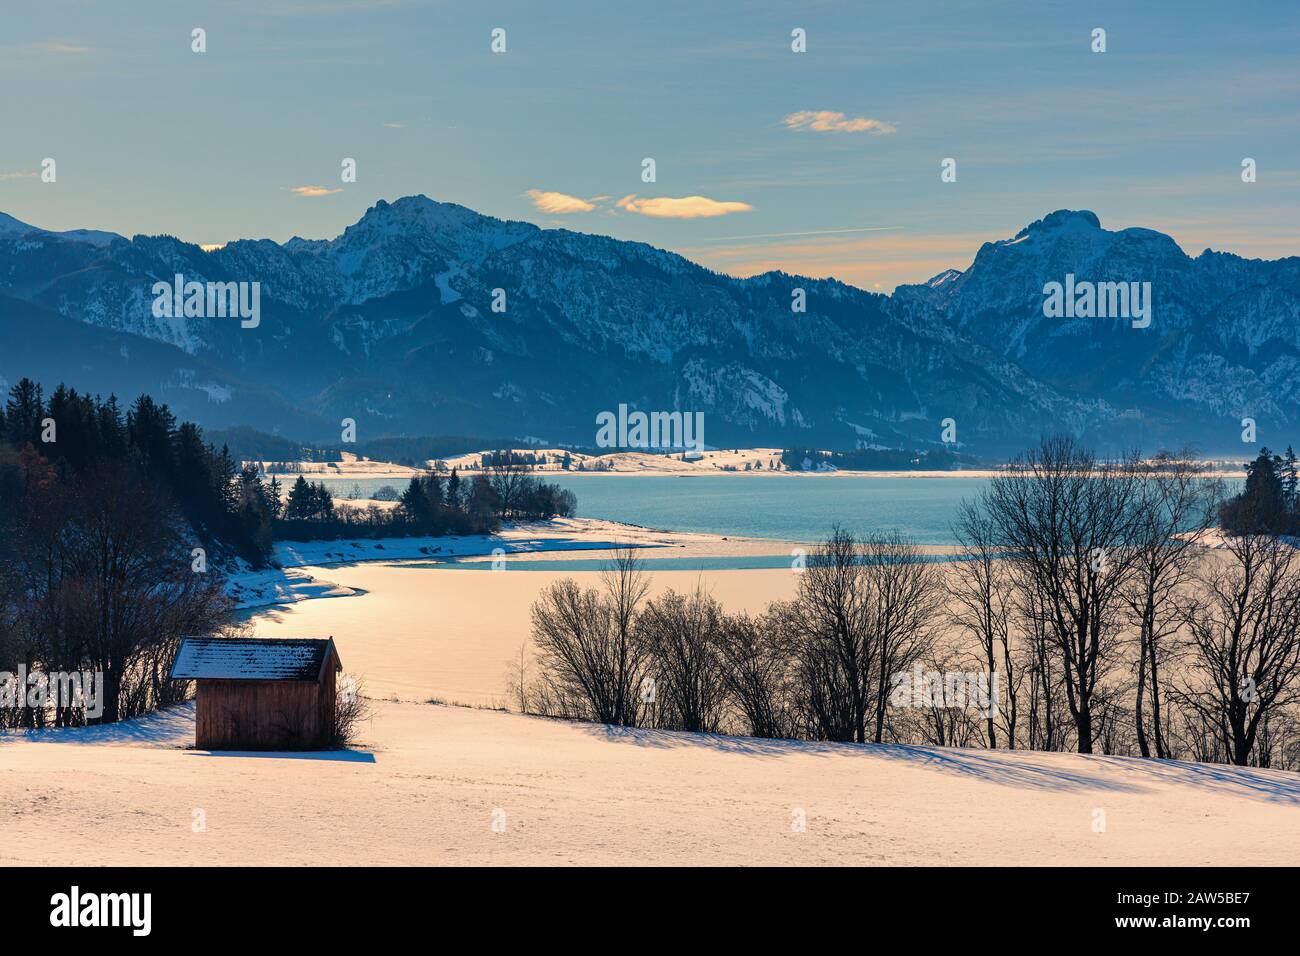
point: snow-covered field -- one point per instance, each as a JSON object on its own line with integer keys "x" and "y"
{"x": 710, "y": 461}
{"x": 428, "y": 784}
{"x": 351, "y": 466}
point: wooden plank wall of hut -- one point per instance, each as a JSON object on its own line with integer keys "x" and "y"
{"x": 261, "y": 715}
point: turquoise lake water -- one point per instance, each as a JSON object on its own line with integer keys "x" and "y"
{"x": 786, "y": 507}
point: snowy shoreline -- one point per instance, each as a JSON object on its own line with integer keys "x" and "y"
{"x": 289, "y": 583}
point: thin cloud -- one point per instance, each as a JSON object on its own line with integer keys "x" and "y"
{"x": 5, "y": 177}
{"x": 687, "y": 207}
{"x": 813, "y": 232}
{"x": 346, "y": 6}
{"x": 313, "y": 192}
{"x": 55, "y": 47}
{"x": 558, "y": 203}
{"x": 825, "y": 121}
{"x": 395, "y": 126}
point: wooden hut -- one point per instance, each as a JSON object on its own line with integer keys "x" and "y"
{"x": 261, "y": 693}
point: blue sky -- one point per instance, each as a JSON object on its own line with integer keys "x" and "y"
{"x": 150, "y": 137}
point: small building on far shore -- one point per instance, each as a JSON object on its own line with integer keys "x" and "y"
{"x": 261, "y": 693}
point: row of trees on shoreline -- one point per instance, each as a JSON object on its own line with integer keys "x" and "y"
{"x": 1086, "y": 587}
{"x": 431, "y": 504}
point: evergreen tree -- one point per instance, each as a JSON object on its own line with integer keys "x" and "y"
{"x": 273, "y": 492}
{"x": 415, "y": 502}
{"x": 256, "y": 514}
{"x": 322, "y": 502}
{"x": 149, "y": 429}
{"x": 482, "y": 504}
{"x": 112, "y": 431}
{"x": 1289, "y": 481}
{"x": 433, "y": 490}
{"x": 299, "y": 506}
{"x": 453, "y": 490}
{"x": 225, "y": 483}
{"x": 23, "y": 413}
{"x": 1260, "y": 508}
{"x": 195, "y": 481}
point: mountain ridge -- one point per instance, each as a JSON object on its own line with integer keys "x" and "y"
{"x": 391, "y": 323}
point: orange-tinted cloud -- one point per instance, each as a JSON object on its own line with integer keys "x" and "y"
{"x": 687, "y": 207}
{"x": 558, "y": 202}
{"x": 825, "y": 121}
{"x": 312, "y": 192}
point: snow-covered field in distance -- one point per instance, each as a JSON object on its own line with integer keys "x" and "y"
{"x": 755, "y": 462}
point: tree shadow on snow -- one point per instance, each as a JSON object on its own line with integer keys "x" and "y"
{"x": 1019, "y": 768}
{"x": 170, "y": 725}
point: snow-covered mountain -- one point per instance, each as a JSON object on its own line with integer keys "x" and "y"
{"x": 1223, "y": 343}
{"x": 392, "y": 324}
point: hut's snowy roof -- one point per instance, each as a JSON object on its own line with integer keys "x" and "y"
{"x": 225, "y": 658}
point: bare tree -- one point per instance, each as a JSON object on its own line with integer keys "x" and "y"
{"x": 626, "y": 585}
{"x": 828, "y": 629}
{"x": 755, "y": 673}
{"x": 680, "y": 636}
{"x": 937, "y": 720}
{"x": 1245, "y": 641}
{"x": 588, "y": 657}
{"x": 904, "y": 595}
{"x": 984, "y": 595}
{"x": 1048, "y": 721}
{"x": 351, "y": 709}
{"x": 518, "y": 681}
{"x": 1045, "y": 696}
{"x": 572, "y": 631}
{"x": 1177, "y": 507}
{"x": 136, "y": 594}
{"x": 1069, "y": 524}
{"x": 510, "y": 478}
{"x": 864, "y": 610}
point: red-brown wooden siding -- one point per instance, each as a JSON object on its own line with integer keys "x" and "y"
{"x": 265, "y": 715}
